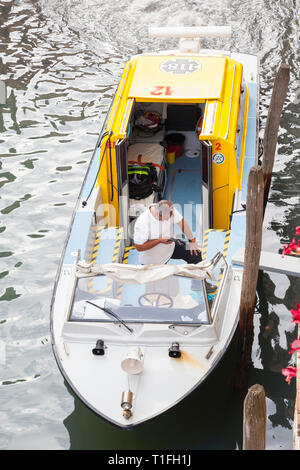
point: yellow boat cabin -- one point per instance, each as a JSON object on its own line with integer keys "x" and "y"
{"x": 203, "y": 97}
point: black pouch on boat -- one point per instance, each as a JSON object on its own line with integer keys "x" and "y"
{"x": 182, "y": 117}
{"x": 142, "y": 180}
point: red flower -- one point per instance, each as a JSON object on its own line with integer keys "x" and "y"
{"x": 296, "y": 314}
{"x": 289, "y": 372}
{"x": 293, "y": 245}
{"x": 295, "y": 346}
{"x": 297, "y": 230}
{"x": 286, "y": 251}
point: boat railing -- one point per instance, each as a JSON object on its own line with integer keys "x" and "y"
{"x": 212, "y": 300}
{"x": 217, "y": 258}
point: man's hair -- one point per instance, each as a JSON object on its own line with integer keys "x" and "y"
{"x": 164, "y": 207}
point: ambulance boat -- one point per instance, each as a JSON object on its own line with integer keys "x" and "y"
{"x": 130, "y": 340}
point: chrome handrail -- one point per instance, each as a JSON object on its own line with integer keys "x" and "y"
{"x": 215, "y": 260}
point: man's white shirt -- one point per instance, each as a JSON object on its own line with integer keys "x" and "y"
{"x": 148, "y": 227}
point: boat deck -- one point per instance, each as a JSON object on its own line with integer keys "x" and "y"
{"x": 184, "y": 190}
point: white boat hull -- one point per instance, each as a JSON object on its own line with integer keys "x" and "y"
{"x": 99, "y": 380}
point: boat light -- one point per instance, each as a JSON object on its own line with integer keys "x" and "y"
{"x": 99, "y": 349}
{"x": 133, "y": 363}
{"x": 126, "y": 403}
{"x": 174, "y": 351}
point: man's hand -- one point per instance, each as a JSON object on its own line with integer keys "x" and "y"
{"x": 194, "y": 248}
{"x": 151, "y": 243}
{"x": 166, "y": 241}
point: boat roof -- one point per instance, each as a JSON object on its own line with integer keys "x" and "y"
{"x": 179, "y": 77}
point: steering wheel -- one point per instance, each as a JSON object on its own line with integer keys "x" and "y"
{"x": 156, "y": 299}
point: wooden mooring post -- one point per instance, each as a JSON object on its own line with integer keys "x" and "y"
{"x": 254, "y": 219}
{"x": 259, "y": 181}
{"x": 272, "y": 125}
{"x": 255, "y": 418}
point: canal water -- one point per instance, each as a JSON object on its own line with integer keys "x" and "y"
{"x": 61, "y": 60}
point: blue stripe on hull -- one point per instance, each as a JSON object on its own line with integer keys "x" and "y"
{"x": 252, "y": 99}
{"x": 79, "y": 236}
{"x": 251, "y": 138}
{"x": 237, "y": 235}
{"x": 250, "y": 151}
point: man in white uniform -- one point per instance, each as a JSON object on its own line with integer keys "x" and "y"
{"x": 153, "y": 236}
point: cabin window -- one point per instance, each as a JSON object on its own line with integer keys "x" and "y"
{"x": 173, "y": 300}
{"x": 182, "y": 117}
{"x": 122, "y": 162}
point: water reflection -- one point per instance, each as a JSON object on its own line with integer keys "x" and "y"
{"x": 50, "y": 121}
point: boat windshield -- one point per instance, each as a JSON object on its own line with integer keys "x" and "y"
{"x": 177, "y": 299}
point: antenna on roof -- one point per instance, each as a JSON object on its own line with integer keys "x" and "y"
{"x": 189, "y": 32}
{"x": 193, "y": 33}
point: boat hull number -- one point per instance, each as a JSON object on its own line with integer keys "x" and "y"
{"x": 175, "y": 91}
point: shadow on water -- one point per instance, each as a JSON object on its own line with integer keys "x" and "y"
{"x": 209, "y": 418}
{"x": 275, "y": 333}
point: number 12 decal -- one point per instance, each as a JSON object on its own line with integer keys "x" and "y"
{"x": 162, "y": 90}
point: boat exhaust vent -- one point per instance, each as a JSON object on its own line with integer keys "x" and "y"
{"x": 126, "y": 403}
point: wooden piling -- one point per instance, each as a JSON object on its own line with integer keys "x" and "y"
{"x": 272, "y": 125}
{"x": 254, "y": 219}
{"x": 254, "y": 422}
